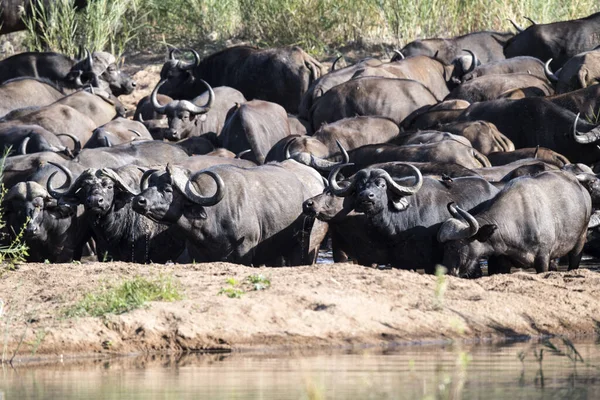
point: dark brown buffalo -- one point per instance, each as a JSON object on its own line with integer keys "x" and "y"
{"x": 490, "y": 87}
{"x": 329, "y": 80}
{"x": 326, "y": 82}
{"x": 255, "y": 125}
{"x": 431, "y": 72}
{"x": 580, "y": 71}
{"x": 27, "y": 92}
{"x": 486, "y": 44}
{"x": 558, "y": 40}
{"x": 483, "y": 135}
{"x": 436, "y": 115}
{"x": 279, "y": 75}
{"x": 395, "y": 99}
{"x": 535, "y": 121}
{"x": 537, "y": 153}
{"x": 516, "y": 65}
{"x": 51, "y": 231}
{"x": 585, "y": 101}
{"x": 118, "y": 131}
{"x": 448, "y": 151}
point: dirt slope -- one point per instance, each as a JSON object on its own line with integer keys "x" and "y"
{"x": 325, "y": 305}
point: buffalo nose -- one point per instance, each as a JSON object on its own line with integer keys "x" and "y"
{"x": 141, "y": 203}
{"x": 309, "y": 203}
{"x": 95, "y": 201}
{"x": 366, "y": 196}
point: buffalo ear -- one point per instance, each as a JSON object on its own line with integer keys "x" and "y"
{"x": 197, "y": 212}
{"x": 485, "y": 232}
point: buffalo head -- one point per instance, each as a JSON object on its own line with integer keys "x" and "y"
{"x": 167, "y": 195}
{"x": 100, "y": 70}
{"x": 96, "y": 189}
{"x": 374, "y": 190}
{"x": 183, "y": 115}
{"x": 28, "y": 206}
{"x": 178, "y": 74}
{"x": 464, "y": 241}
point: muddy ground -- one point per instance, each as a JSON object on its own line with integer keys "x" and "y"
{"x": 327, "y": 305}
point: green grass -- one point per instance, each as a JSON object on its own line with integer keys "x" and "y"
{"x": 126, "y": 296}
{"x": 235, "y": 289}
{"x": 319, "y": 26}
{"x": 17, "y": 250}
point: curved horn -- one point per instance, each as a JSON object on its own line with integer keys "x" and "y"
{"x": 549, "y": 74}
{"x": 78, "y": 81}
{"x": 107, "y": 142}
{"x": 157, "y": 107}
{"x": 462, "y": 226}
{"x": 286, "y": 148}
{"x": 585, "y": 138}
{"x": 54, "y": 193}
{"x": 242, "y": 153}
{"x": 145, "y": 177}
{"x": 517, "y": 27}
{"x": 135, "y": 132}
{"x": 474, "y": 60}
{"x": 186, "y": 66}
{"x": 402, "y": 190}
{"x": 112, "y": 174}
{"x": 322, "y": 164}
{"x": 533, "y": 22}
{"x": 399, "y": 54}
{"x": 337, "y": 189}
{"x": 89, "y": 59}
{"x": 193, "y": 108}
{"x": 140, "y": 118}
{"x": 335, "y": 62}
{"x": 187, "y": 188}
{"x": 172, "y": 53}
{"x": 23, "y": 147}
{"x": 75, "y": 139}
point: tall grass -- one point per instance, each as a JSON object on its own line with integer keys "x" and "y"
{"x": 103, "y": 25}
{"x": 14, "y": 250}
{"x": 319, "y": 26}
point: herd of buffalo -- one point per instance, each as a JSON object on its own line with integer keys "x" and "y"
{"x": 479, "y": 147}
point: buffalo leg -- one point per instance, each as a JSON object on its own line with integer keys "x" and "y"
{"x": 577, "y": 252}
{"x": 541, "y": 263}
{"x": 499, "y": 265}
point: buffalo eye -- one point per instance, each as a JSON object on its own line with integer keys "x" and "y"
{"x": 168, "y": 189}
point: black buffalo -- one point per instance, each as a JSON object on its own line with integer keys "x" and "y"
{"x": 532, "y": 221}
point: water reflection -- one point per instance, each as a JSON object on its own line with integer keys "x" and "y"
{"x": 515, "y": 371}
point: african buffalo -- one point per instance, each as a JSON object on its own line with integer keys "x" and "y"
{"x": 189, "y": 118}
{"x": 580, "y": 71}
{"x": 249, "y": 216}
{"x": 249, "y": 70}
{"x": 532, "y": 221}
{"x": 51, "y": 231}
{"x": 395, "y": 99}
{"x": 558, "y": 40}
{"x": 404, "y": 215}
{"x": 326, "y": 82}
{"x": 534, "y": 121}
{"x": 490, "y": 87}
{"x": 486, "y": 44}
{"x": 255, "y": 125}
{"x": 515, "y": 65}
{"x": 120, "y": 233}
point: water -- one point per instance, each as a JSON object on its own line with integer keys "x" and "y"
{"x": 414, "y": 372}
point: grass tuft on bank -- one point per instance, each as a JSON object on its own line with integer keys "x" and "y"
{"x": 126, "y": 296}
{"x": 319, "y": 26}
